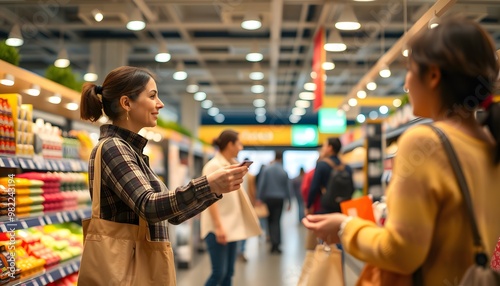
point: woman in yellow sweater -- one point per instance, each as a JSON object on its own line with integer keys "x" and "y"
{"x": 452, "y": 71}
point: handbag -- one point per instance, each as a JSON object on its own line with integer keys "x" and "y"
{"x": 322, "y": 267}
{"x": 261, "y": 210}
{"x": 478, "y": 274}
{"x": 120, "y": 253}
{"x": 250, "y": 219}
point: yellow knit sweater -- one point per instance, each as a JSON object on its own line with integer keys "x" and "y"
{"x": 427, "y": 223}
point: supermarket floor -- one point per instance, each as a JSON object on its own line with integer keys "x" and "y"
{"x": 262, "y": 268}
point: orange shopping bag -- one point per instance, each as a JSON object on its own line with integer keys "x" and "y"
{"x": 360, "y": 207}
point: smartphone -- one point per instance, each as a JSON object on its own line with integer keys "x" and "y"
{"x": 246, "y": 163}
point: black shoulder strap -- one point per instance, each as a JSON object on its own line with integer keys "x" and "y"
{"x": 461, "y": 182}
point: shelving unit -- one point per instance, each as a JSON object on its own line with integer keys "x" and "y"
{"x": 19, "y": 223}
{"x": 53, "y": 274}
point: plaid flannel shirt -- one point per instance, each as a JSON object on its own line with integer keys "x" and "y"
{"x": 130, "y": 189}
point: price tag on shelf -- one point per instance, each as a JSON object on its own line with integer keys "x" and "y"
{"x": 2, "y": 163}
{"x": 48, "y": 166}
{"x": 23, "y": 163}
{"x": 31, "y": 165}
{"x": 24, "y": 224}
{"x": 62, "y": 272}
{"x": 41, "y": 221}
{"x": 69, "y": 270}
{"x": 3, "y": 228}
{"x": 35, "y": 283}
{"x": 43, "y": 281}
{"x": 59, "y": 218}
{"x": 74, "y": 266}
{"x": 49, "y": 277}
{"x": 73, "y": 215}
{"x": 48, "y": 220}
{"x": 11, "y": 163}
{"x": 61, "y": 166}
{"x": 65, "y": 216}
{"x": 81, "y": 213}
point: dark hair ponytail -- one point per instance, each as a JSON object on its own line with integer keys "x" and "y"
{"x": 224, "y": 138}
{"x": 90, "y": 104}
{"x": 492, "y": 121}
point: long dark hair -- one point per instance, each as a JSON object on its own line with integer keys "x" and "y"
{"x": 125, "y": 80}
{"x": 465, "y": 55}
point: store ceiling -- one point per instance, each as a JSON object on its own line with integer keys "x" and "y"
{"x": 207, "y": 37}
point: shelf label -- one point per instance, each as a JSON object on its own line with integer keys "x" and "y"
{"x": 48, "y": 220}
{"x": 2, "y": 164}
{"x": 61, "y": 166}
{"x": 73, "y": 215}
{"x": 81, "y": 213}
{"x": 31, "y": 165}
{"x": 50, "y": 278}
{"x": 43, "y": 281}
{"x": 59, "y": 218}
{"x": 35, "y": 283}
{"x": 24, "y": 224}
{"x": 11, "y": 162}
{"x": 61, "y": 271}
{"x": 41, "y": 221}
{"x": 3, "y": 228}
{"x": 69, "y": 270}
{"x": 23, "y": 163}
{"x": 65, "y": 217}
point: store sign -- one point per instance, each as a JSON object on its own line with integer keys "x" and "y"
{"x": 250, "y": 135}
{"x": 331, "y": 121}
{"x": 304, "y": 135}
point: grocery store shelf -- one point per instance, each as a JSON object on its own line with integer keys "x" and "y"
{"x": 52, "y": 274}
{"x": 353, "y": 145}
{"x": 40, "y": 164}
{"x": 390, "y": 134}
{"x": 6, "y": 224}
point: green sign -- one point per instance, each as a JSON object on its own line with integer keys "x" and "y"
{"x": 330, "y": 120}
{"x": 304, "y": 135}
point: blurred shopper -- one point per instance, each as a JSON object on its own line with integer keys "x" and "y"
{"x": 296, "y": 187}
{"x": 274, "y": 188}
{"x": 452, "y": 70}
{"x": 129, "y": 190}
{"x": 330, "y": 149}
{"x": 229, "y": 220}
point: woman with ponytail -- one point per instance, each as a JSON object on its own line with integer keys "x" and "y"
{"x": 452, "y": 71}
{"x": 129, "y": 190}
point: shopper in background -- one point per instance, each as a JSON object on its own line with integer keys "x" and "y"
{"x": 129, "y": 189}
{"x": 229, "y": 220}
{"x": 296, "y": 187}
{"x": 274, "y": 188}
{"x": 452, "y": 70}
{"x": 330, "y": 149}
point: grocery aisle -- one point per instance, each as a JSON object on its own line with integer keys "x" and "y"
{"x": 262, "y": 268}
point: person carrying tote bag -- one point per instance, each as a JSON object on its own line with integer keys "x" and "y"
{"x": 126, "y": 240}
{"x": 429, "y": 227}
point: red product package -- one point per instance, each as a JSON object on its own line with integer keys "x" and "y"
{"x": 495, "y": 260}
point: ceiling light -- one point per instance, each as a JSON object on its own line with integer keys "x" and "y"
{"x": 434, "y": 21}
{"x": 385, "y": 72}
{"x": 136, "y": 22}
{"x": 371, "y": 86}
{"x": 259, "y": 102}
{"x": 260, "y": 111}
{"x": 254, "y": 57}
{"x": 72, "y": 106}
{"x": 303, "y": 103}
{"x": 157, "y": 137}
{"x": 34, "y": 90}
{"x": 180, "y": 74}
{"x": 192, "y": 87}
{"x": 90, "y": 76}
{"x": 55, "y": 99}
{"x": 373, "y": 115}
{"x": 251, "y": 22}
{"x": 261, "y": 118}
{"x": 307, "y": 95}
{"x": 98, "y": 16}
{"x": 163, "y": 55}
{"x": 397, "y": 102}
{"x": 310, "y": 86}
{"x": 294, "y": 118}
{"x": 298, "y": 111}
{"x": 361, "y": 94}
{"x": 15, "y": 37}
{"x": 347, "y": 20}
{"x": 383, "y": 109}
{"x": 200, "y": 96}
{"x": 62, "y": 60}
{"x": 360, "y": 118}
{"x": 256, "y": 73}
{"x": 7, "y": 80}
{"x": 212, "y": 111}
{"x": 352, "y": 102}
{"x": 328, "y": 66}
{"x": 257, "y": 88}
{"x": 335, "y": 43}
{"x": 206, "y": 104}
{"x": 219, "y": 118}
